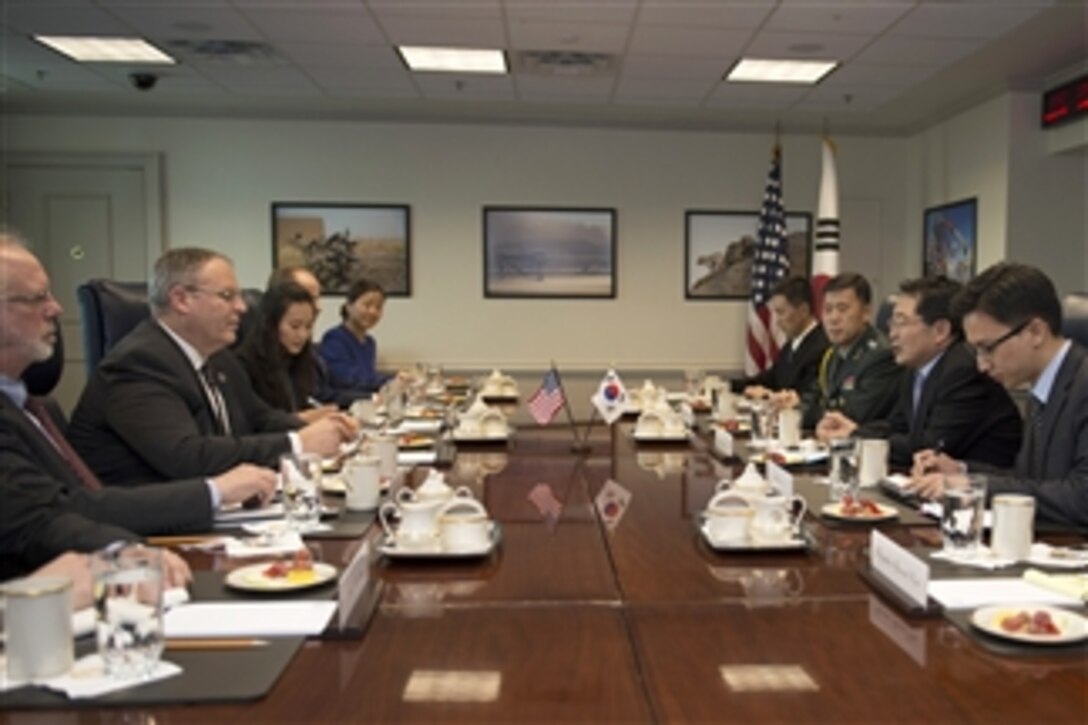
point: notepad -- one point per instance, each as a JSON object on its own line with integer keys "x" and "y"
{"x": 246, "y": 619}
{"x": 979, "y": 591}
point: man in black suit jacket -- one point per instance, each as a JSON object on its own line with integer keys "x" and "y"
{"x": 945, "y": 402}
{"x": 169, "y": 400}
{"x": 798, "y": 362}
{"x": 45, "y": 507}
{"x": 1012, "y": 318}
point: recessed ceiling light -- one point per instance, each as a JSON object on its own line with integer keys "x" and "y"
{"x": 453, "y": 60}
{"x": 753, "y": 70}
{"x": 90, "y": 49}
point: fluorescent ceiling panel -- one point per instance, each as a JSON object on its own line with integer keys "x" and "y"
{"x": 90, "y": 49}
{"x": 453, "y": 60}
{"x": 758, "y": 70}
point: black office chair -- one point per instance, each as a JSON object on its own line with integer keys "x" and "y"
{"x": 252, "y": 298}
{"x": 1075, "y": 317}
{"x": 110, "y": 311}
{"x": 883, "y": 319}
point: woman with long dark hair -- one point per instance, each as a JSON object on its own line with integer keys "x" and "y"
{"x": 278, "y": 355}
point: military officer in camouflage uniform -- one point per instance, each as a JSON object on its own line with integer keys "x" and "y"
{"x": 858, "y": 374}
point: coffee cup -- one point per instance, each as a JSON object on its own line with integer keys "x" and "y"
{"x": 363, "y": 483}
{"x": 873, "y": 466}
{"x": 729, "y": 524}
{"x": 464, "y": 525}
{"x": 1014, "y": 524}
{"x": 38, "y": 623}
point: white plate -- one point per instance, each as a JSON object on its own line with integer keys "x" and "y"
{"x": 792, "y": 456}
{"x": 794, "y": 544}
{"x": 460, "y": 437}
{"x": 390, "y": 549}
{"x": 1072, "y": 627}
{"x": 252, "y": 579}
{"x": 834, "y": 510}
{"x": 661, "y": 437}
{"x": 1059, "y": 557}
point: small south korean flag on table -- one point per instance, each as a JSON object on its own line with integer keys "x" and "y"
{"x": 612, "y": 503}
{"x": 610, "y": 398}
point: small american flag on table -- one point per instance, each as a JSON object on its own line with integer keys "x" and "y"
{"x": 548, "y": 400}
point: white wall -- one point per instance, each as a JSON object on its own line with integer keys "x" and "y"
{"x": 222, "y": 175}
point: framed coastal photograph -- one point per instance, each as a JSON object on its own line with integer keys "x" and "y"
{"x": 549, "y": 253}
{"x": 341, "y": 242}
{"x": 719, "y": 247}
{"x": 950, "y": 244}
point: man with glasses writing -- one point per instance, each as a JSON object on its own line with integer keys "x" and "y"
{"x": 168, "y": 402}
{"x": 1012, "y": 319}
{"x": 945, "y": 402}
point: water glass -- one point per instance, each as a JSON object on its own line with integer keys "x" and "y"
{"x": 763, "y": 420}
{"x": 128, "y": 587}
{"x": 843, "y": 476}
{"x": 961, "y": 520}
{"x": 300, "y": 477}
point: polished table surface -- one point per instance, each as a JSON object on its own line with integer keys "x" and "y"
{"x": 637, "y": 620}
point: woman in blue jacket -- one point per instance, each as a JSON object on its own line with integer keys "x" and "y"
{"x": 348, "y": 349}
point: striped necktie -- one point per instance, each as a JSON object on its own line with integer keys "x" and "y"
{"x": 219, "y": 405}
{"x": 36, "y": 408}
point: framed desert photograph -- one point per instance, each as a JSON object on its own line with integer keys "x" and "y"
{"x": 549, "y": 253}
{"x": 341, "y": 242}
{"x": 720, "y": 245}
{"x": 950, "y": 246}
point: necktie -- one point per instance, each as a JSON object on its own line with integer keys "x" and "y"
{"x": 36, "y": 408}
{"x": 1034, "y": 430}
{"x": 219, "y": 405}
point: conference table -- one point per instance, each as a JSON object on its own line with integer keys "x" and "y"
{"x": 634, "y": 618}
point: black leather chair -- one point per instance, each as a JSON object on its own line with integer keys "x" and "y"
{"x": 1075, "y": 317}
{"x": 252, "y": 298}
{"x": 110, "y": 311}
{"x": 883, "y": 319}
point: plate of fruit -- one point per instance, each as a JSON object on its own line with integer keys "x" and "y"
{"x": 1033, "y": 623}
{"x": 298, "y": 572}
{"x": 859, "y": 509}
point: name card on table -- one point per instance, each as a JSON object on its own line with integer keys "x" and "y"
{"x": 901, "y": 568}
{"x": 723, "y": 442}
{"x": 780, "y": 478}
{"x": 352, "y": 584}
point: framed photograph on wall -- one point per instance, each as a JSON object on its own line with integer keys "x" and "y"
{"x": 950, "y": 242}
{"x": 720, "y": 245}
{"x": 534, "y": 252}
{"x": 341, "y": 242}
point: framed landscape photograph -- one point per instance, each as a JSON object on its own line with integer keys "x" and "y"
{"x": 950, "y": 244}
{"x": 549, "y": 253}
{"x": 720, "y": 245}
{"x": 342, "y": 242}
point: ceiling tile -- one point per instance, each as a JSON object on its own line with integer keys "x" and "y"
{"x": 847, "y": 98}
{"x": 718, "y": 43}
{"x": 860, "y": 16}
{"x": 917, "y": 51}
{"x": 526, "y": 35}
{"x": 318, "y": 24}
{"x": 177, "y": 79}
{"x": 456, "y": 32}
{"x": 570, "y": 87}
{"x": 558, "y": 99}
{"x": 48, "y": 19}
{"x": 804, "y": 45}
{"x": 575, "y": 12}
{"x": 664, "y": 89}
{"x": 454, "y": 87}
{"x": 343, "y": 78}
{"x": 879, "y": 75}
{"x": 674, "y": 66}
{"x": 738, "y": 14}
{"x": 341, "y": 55}
{"x": 262, "y": 80}
{"x": 189, "y": 23}
{"x": 439, "y": 9}
{"x": 967, "y": 19}
{"x": 757, "y": 95}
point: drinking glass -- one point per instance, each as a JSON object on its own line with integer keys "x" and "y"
{"x": 128, "y": 586}
{"x": 763, "y": 420}
{"x": 300, "y": 476}
{"x": 961, "y": 519}
{"x": 843, "y": 476}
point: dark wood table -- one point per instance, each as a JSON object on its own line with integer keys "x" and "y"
{"x": 639, "y": 621}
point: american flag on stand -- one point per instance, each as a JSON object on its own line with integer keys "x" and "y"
{"x": 548, "y": 400}
{"x": 770, "y": 264}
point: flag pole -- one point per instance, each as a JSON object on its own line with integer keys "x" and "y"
{"x": 578, "y": 445}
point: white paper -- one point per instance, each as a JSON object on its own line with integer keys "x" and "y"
{"x": 84, "y": 621}
{"x": 723, "y": 442}
{"x": 419, "y": 425}
{"x": 246, "y": 619}
{"x": 353, "y": 582}
{"x": 977, "y": 592}
{"x": 236, "y": 515}
{"x": 88, "y": 678}
{"x": 780, "y": 478}
{"x": 899, "y": 566}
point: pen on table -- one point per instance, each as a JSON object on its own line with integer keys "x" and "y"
{"x": 213, "y": 644}
{"x": 313, "y": 402}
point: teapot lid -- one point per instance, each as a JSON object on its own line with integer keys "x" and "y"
{"x": 750, "y": 478}
{"x": 434, "y": 484}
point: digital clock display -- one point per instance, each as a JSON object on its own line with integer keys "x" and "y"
{"x": 1066, "y": 102}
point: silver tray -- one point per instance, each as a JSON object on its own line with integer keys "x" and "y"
{"x": 389, "y": 549}
{"x": 800, "y": 542}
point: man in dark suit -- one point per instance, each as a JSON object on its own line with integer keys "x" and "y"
{"x": 170, "y": 401}
{"x": 1013, "y": 319}
{"x": 49, "y": 501}
{"x": 858, "y": 375}
{"x": 798, "y": 361}
{"x": 945, "y": 402}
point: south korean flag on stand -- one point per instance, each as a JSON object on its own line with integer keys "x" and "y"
{"x": 610, "y": 398}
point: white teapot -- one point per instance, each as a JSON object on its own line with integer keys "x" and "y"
{"x": 750, "y": 484}
{"x": 728, "y": 518}
{"x": 776, "y": 519}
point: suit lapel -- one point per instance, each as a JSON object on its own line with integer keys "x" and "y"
{"x": 45, "y": 454}
{"x": 188, "y": 373}
{"x": 1059, "y": 398}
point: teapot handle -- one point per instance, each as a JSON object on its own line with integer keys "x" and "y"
{"x": 796, "y": 518}
{"x": 724, "y": 495}
{"x": 385, "y": 513}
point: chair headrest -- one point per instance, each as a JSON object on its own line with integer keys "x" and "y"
{"x": 1075, "y": 317}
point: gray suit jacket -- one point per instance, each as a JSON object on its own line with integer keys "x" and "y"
{"x": 45, "y": 510}
{"x": 144, "y": 416}
{"x": 1056, "y": 471}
